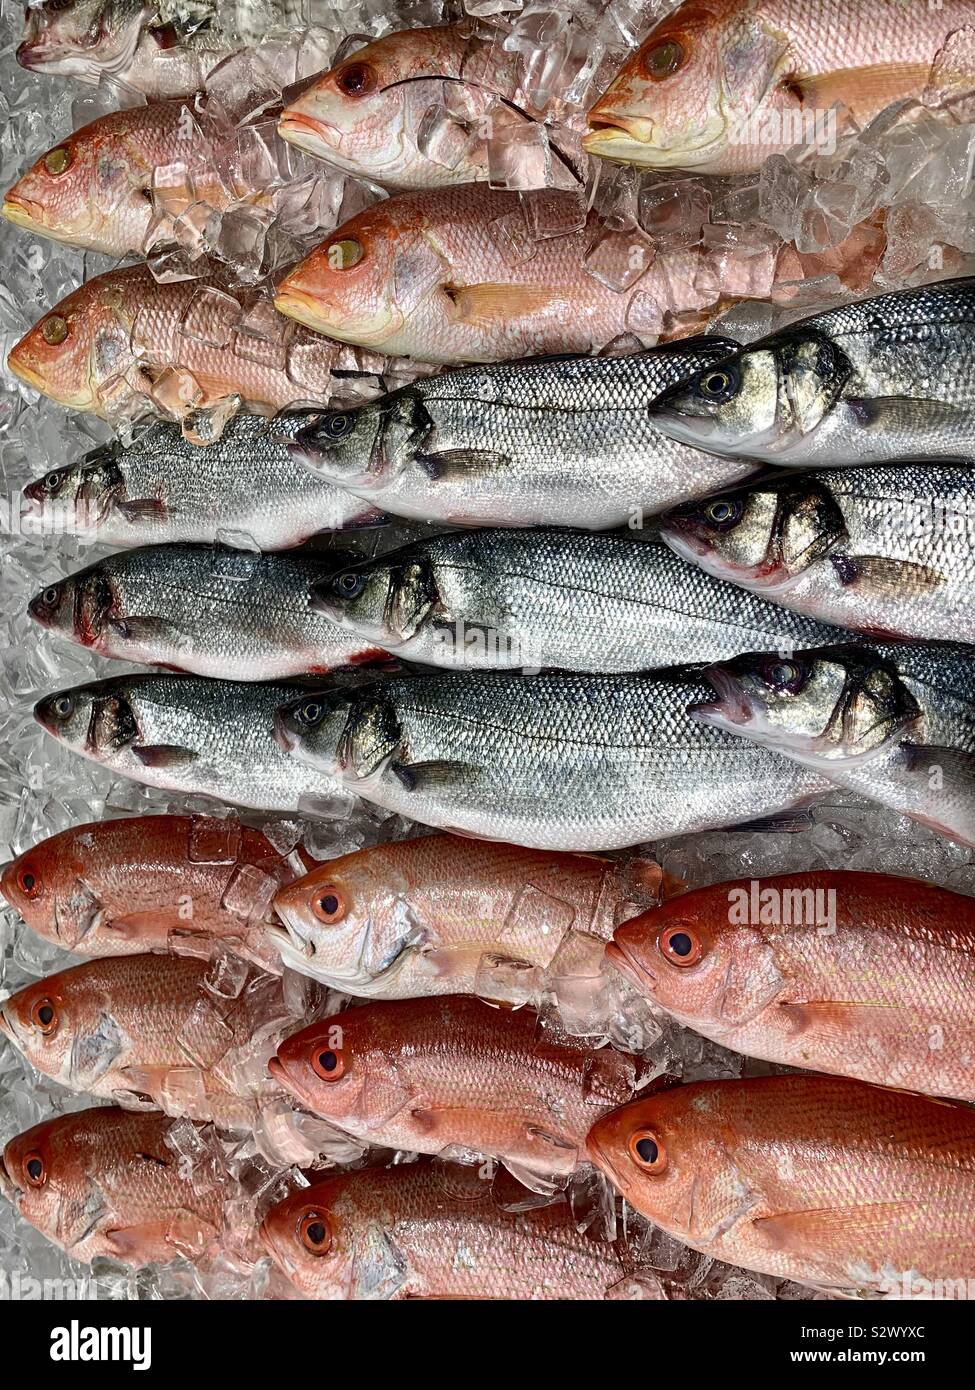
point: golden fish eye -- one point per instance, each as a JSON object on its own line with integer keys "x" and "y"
{"x": 56, "y": 161}
{"x": 44, "y": 1017}
{"x": 664, "y": 59}
{"x": 314, "y": 1233}
{"x": 54, "y": 330}
{"x": 344, "y": 254}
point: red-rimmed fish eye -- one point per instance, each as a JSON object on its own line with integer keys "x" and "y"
{"x": 58, "y": 160}
{"x": 344, "y": 253}
{"x": 35, "y": 1169}
{"x": 681, "y": 944}
{"x": 44, "y": 1016}
{"x": 28, "y": 881}
{"x": 647, "y": 1151}
{"x": 664, "y": 59}
{"x": 54, "y": 330}
{"x": 784, "y": 677}
{"x": 356, "y": 79}
{"x": 327, "y": 1062}
{"x": 314, "y": 1233}
{"x": 329, "y": 905}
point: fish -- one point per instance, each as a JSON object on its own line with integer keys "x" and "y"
{"x": 856, "y": 974}
{"x": 121, "y": 39}
{"x": 417, "y": 109}
{"x": 154, "y": 1031}
{"x": 422, "y": 916}
{"x": 475, "y": 274}
{"x": 163, "y": 489}
{"x": 554, "y": 761}
{"x": 423, "y": 1230}
{"x": 209, "y": 610}
{"x": 895, "y": 723}
{"x": 124, "y": 345}
{"x": 422, "y": 1075}
{"x": 99, "y": 188}
{"x": 104, "y": 1183}
{"x": 556, "y": 443}
{"x": 889, "y": 379}
{"x": 151, "y": 883}
{"x": 883, "y": 549}
{"x": 720, "y": 85}
{"x": 834, "y": 1183}
{"x": 577, "y": 600}
{"x": 187, "y": 734}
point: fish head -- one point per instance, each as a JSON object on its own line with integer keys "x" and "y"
{"x": 763, "y": 535}
{"x": 82, "y": 38}
{"x": 80, "y": 347}
{"x": 75, "y": 499}
{"x": 823, "y": 706}
{"x": 680, "y": 99}
{"x": 349, "y": 734}
{"x": 349, "y": 920}
{"x": 645, "y": 1151}
{"x": 96, "y": 720}
{"x": 367, "y": 448}
{"x": 40, "y": 1022}
{"x": 312, "y": 1244}
{"x": 78, "y": 607}
{"x": 47, "y": 887}
{"x": 72, "y": 192}
{"x": 327, "y": 1068}
{"x": 699, "y": 958}
{"x": 384, "y": 601}
{"x": 40, "y": 1170}
{"x": 764, "y": 403}
{"x": 361, "y": 284}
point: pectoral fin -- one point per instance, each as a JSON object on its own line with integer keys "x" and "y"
{"x": 437, "y": 466}
{"x": 865, "y": 90}
{"x": 162, "y": 755}
{"x": 422, "y": 777}
{"x": 883, "y": 577}
{"x": 143, "y": 629}
{"x": 143, "y": 509}
{"x": 811, "y": 1232}
{"x": 489, "y": 304}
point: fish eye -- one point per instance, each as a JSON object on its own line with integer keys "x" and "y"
{"x": 327, "y": 1063}
{"x": 681, "y": 944}
{"x": 723, "y": 512}
{"x": 310, "y": 713}
{"x": 339, "y": 425}
{"x": 63, "y": 706}
{"x": 647, "y": 1151}
{"x": 719, "y": 385}
{"x": 56, "y": 161}
{"x": 664, "y": 59}
{"x": 788, "y": 677}
{"x": 34, "y": 1169}
{"x": 345, "y": 253}
{"x": 314, "y": 1234}
{"x": 356, "y": 80}
{"x": 54, "y": 329}
{"x": 329, "y": 905}
{"x": 51, "y": 595}
{"x": 348, "y": 584}
{"x": 29, "y": 883}
{"x": 44, "y": 1017}
{"x": 52, "y": 482}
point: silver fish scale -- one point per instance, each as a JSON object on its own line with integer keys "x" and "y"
{"x": 563, "y": 442}
{"x": 246, "y": 483}
{"x": 561, "y": 761}
{"x": 223, "y": 612}
{"x": 229, "y": 726}
{"x": 587, "y": 601}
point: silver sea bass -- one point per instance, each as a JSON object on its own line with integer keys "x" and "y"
{"x": 887, "y": 379}
{"x": 162, "y": 488}
{"x": 883, "y": 549}
{"x": 550, "y": 761}
{"x": 580, "y": 600}
{"x": 209, "y": 610}
{"x": 557, "y": 442}
{"x": 187, "y": 734}
{"x": 895, "y": 723}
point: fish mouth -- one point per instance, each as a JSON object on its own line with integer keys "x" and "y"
{"x": 599, "y": 1156}
{"x": 22, "y": 212}
{"x": 627, "y": 965}
{"x": 286, "y": 739}
{"x": 632, "y": 141}
{"x": 9, "y": 1189}
{"x": 682, "y": 541}
{"x": 82, "y": 400}
{"x": 270, "y": 1245}
{"x": 320, "y": 316}
{"x": 308, "y": 133}
{"x": 732, "y": 708}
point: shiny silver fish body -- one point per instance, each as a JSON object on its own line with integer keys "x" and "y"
{"x": 578, "y": 600}
{"x": 550, "y": 761}
{"x": 894, "y": 722}
{"x": 888, "y": 550}
{"x": 162, "y": 488}
{"x": 563, "y": 442}
{"x": 209, "y": 610}
{"x": 187, "y": 734}
{"x": 880, "y": 381}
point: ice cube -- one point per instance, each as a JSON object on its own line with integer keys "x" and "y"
{"x": 617, "y": 259}
{"x": 214, "y": 839}
{"x": 249, "y": 893}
